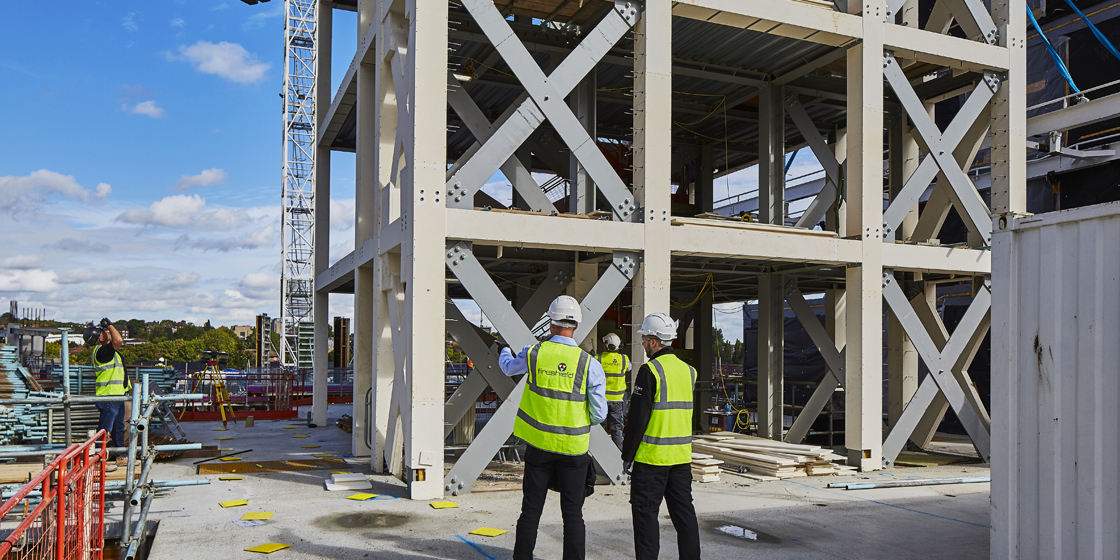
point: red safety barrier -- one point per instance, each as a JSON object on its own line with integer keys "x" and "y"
{"x": 69, "y": 520}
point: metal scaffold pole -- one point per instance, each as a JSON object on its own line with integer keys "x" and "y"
{"x": 298, "y": 190}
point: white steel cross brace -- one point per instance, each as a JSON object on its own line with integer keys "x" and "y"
{"x": 482, "y": 129}
{"x": 832, "y": 167}
{"x": 484, "y": 354}
{"x": 972, "y": 15}
{"x": 546, "y": 101}
{"x": 474, "y": 278}
{"x": 833, "y": 359}
{"x": 939, "y": 158}
{"x": 941, "y": 360}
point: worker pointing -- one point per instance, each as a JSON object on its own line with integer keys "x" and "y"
{"x": 615, "y": 366}
{"x": 658, "y": 445}
{"x": 564, "y": 396}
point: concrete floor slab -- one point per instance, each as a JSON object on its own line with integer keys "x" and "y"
{"x": 798, "y": 518}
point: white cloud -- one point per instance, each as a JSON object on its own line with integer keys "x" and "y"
{"x": 82, "y": 275}
{"x": 147, "y": 108}
{"x": 260, "y": 238}
{"x": 222, "y": 219}
{"x": 178, "y": 22}
{"x": 78, "y": 245}
{"x": 19, "y": 194}
{"x": 212, "y": 176}
{"x": 227, "y": 60}
{"x": 259, "y": 19}
{"x": 128, "y": 22}
{"x": 171, "y": 211}
{"x": 180, "y": 281}
{"x": 21, "y": 262}
{"x": 220, "y": 7}
{"x": 35, "y": 280}
{"x": 260, "y": 285}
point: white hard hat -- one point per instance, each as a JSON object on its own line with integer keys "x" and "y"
{"x": 612, "y": 341}
{"x": 659, "y": 325}
{"x": 565, "y": 309}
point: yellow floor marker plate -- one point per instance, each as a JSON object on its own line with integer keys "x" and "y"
{"x": 310, "y": 446}
{"x": 361, "y": 497}
{"x": 443, "y": 505}
{"x": 267, "y": 548}
{"x": 488, "y": 532}
{"x": 231, "y": 458}
{"x": 340, "y": 472}
{"x": 323, "y": 455}
{"x": 234, "y": 503}
{"x": 299, "y": 436}
{"x": 261, "y": 516}
{"x": 222, "y": 438}
{"x": 290, "y": 427}
{"x": 221, "y": 429}
{"x": 230, "y": 478}
{"x": 225, "y": 449}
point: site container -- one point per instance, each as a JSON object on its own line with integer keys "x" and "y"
{"x": 1056, "y": 384}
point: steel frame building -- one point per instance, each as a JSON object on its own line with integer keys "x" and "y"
{"x": 856, "y": 88}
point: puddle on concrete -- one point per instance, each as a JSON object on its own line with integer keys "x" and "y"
{"x": 362, "y": 521}
{"x": 745, "y": 533}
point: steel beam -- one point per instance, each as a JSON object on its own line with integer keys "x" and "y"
{"x": 546, "y": 100}
{"x": 833, "y": 355}
{"x": 461, "y": 261}
{"x": 962, "y": 192}
{"x": 940, "y": 362}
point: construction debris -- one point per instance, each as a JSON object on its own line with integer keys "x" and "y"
{"x": 768, "y": 458}
{"x": 346, "y": 423}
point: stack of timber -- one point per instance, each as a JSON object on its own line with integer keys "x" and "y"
{"x": 767, "y": 459}
{"x": 705, "y": 468}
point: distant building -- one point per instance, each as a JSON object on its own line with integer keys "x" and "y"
{"x": 244, "y": 332}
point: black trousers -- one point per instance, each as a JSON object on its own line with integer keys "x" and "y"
{"x": 613, "y": 423}
{"x": 649, "y": 484}
{"x": 570, "y": 474}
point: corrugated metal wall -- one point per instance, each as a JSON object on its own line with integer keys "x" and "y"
{"x": 1056, "y": 385}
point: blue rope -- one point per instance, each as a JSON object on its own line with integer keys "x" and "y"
{"x": 1096, "y": 32}
{"x": 789, "y": 163}
{"x": 1053, "y": 53}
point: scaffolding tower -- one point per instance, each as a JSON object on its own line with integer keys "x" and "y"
{"x": 297, "y": 229}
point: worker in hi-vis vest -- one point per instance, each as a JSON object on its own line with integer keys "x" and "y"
{"x": 615, "y": 366}
{"x": 104, "y": 340}
{"x": 564, "y": 397}
{"x": 658, "y": 446}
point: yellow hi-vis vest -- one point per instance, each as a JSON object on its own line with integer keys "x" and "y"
{"x": 110, "y": 375}
{"x": 615, "y": 365}
{"x": 553, "y": 414}
{"x": 668, "y": 437}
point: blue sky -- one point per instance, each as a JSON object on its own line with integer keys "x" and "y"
{"x": 141, "y": 167}
{"x": 140, "y": 175}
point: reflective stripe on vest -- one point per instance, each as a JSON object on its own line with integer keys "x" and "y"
{"x": 614, "y": 366}
{"x": 553, "y": 413}
{"x": 668, "y": 436}
{"x": 110, "y": 375}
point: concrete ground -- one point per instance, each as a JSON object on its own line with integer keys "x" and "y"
{"x": 739, "y": 518}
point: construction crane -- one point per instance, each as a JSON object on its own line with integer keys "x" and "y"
{"x": 297, "y": 228}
